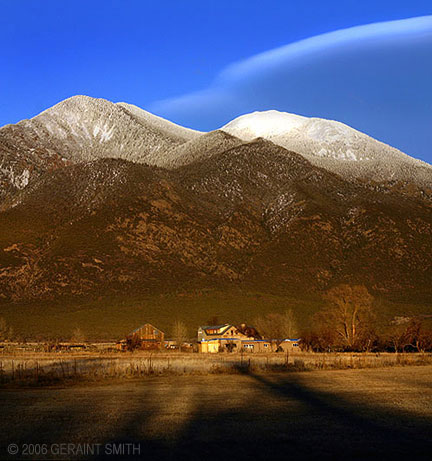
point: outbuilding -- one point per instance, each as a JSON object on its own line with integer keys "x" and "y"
{"x": 146, "y": 337}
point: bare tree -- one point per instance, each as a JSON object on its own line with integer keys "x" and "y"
{"x": 179, "y": 333}
{"x": 317, "y": 338}
{"x": 396, "y": 337}
{"x": 417, "y": 337}
{"x": 349, "y": 314}
{"x": 78, "y": 336}
{"x": 289, "y": 327}
{"x": 277, "y": 326}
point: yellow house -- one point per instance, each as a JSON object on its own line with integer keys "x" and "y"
{"x": 209, "y": 346}
{"x": 230, "y": 338}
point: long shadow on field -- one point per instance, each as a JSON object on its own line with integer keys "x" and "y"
{"x": 288, "y": 419}
{"x": 307, "y": 425}
{"x": 245, "y": 416}
{"x": 334, "y": 427}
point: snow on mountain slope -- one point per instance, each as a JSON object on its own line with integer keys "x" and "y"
{"x": 159, "y": 123}
{"x": 332, "y": 145}
{"x": 100, "y": 128}
{"x": 266, "y": 124}
{"x": 80, "y": 129}
{"x": 84, "y": 128}
{"x": 202, "y": 147}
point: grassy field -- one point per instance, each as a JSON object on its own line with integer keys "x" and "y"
{"x": 112, "y": 318}
{"x": 383, "y": 413}
{"x": 38, "y": 369}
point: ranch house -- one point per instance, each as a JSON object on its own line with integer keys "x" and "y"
{"x": 231, "y": 338}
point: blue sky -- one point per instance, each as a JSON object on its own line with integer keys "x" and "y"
{"x": 153, "y": 53}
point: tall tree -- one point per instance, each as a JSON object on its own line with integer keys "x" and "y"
{"x": 179, "y": 333}
{"x": 349, "y": 315}
{"x": 78, "y": 336}
{"x": 418, "y": 337}
{"x": 277, "y": 326}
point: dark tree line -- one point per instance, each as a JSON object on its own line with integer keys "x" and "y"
{"x": 348, "y": 323}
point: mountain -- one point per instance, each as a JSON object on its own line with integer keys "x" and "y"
{"x": 332, "y": 145}
{"x": 253, "y": 216}
{"x": 205, "y": 146}
{"x": 82, "y": 129}
{"x": 176, "y": 214}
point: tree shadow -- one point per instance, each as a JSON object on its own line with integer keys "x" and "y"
{"x": 278, "y": 415}
{"x": 305, "y": 424}
{"x": 337, "y": 427}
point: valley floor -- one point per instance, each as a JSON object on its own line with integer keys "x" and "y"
{"x": 383, "y": 413}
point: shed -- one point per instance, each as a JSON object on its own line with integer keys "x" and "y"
{"x": 146, "y": 337}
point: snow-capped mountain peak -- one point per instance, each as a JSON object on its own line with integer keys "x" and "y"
{"x": 81, "y": 129}
{"x": 329, "y": 144}
{"x": 308, "y": 136}
{"x": 265, "y": 124}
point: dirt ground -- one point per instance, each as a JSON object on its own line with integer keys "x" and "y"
{"x": 340, "y": 414}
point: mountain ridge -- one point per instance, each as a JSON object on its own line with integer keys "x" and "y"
{"x": 255, "y": 215}
{"x": 79, "y": 129}
{"x": 332, "y": 145}
{"x": 210, "y": 211}
{"x": 82, "y": 128}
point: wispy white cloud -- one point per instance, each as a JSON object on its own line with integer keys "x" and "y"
{"x": 326, "y": 43}
{"x": 375, "y": 77}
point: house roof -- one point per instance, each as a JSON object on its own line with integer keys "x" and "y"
{"x": 224, "y": 328}
{"x": 215, "y": 327}
{"x": 247, "y": 340}
{"x": 249, "y": 331}
{"x": 142, "y": 326}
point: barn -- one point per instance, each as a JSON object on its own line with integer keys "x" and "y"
{"x": 145, "y": 337}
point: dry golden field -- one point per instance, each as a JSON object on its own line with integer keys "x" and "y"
{"x": 25, "y": 368}
{"x": 370, "y": 413}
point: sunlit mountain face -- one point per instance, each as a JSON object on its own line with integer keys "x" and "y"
{"x": 101, "y": 199}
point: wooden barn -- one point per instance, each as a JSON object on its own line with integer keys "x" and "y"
{"x": 145, "y": 337}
